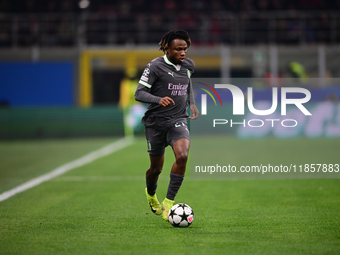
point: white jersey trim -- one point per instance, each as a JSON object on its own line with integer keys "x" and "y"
{"x": 145, "y": 84}
{"x": 169, "y": 63}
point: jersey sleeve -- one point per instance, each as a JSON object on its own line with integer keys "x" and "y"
{"x": 143, "y": 95}
{"x": 191, "y": 97}
{"x": 149, "y": 75}
{"x": 191, "y": 66}
{"x": 190, "y": 70}
{"x": 143, "y": 92}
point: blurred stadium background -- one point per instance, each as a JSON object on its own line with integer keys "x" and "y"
{"x": 68, "y": 70}
{"x": 65, "y": 64}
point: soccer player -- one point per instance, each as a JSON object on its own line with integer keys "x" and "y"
{"x": 166, "y": 85}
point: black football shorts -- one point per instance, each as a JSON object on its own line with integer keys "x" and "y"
{"x": 158, "y": 139}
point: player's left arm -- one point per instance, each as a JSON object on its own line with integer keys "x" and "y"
{"x": 193, "y": 109}
{"x": 194, "y": 112}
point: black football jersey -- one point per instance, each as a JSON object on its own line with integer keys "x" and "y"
{"x": 162, "y": 78}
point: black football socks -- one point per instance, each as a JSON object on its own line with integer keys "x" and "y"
{"x": 151, "y": 187}
{"x": 174, "y": 185}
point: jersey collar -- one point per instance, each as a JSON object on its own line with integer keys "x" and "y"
{"x": 177, "y": 67}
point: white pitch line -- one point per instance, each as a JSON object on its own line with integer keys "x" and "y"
{"x": 98, "y": 178}
{"x": 111, "y": 148}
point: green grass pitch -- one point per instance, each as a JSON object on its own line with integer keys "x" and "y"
{"x": 101, "y": 208}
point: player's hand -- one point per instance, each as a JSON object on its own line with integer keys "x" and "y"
{"x": 194, "y": 112}
{"x": 166, "y": 102}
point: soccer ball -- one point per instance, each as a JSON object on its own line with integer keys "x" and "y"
{"x": 181, "y": 215}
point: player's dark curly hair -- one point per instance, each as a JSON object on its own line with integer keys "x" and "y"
{"x": 172, "y": 35}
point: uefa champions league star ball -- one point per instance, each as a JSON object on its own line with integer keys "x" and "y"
{"x": 181, "y": 215}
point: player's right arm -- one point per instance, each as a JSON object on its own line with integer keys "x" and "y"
{"x": 166, "y": 102}
{"x": 143, "y": 91}
{"x": 143, "y": 94}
